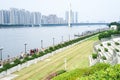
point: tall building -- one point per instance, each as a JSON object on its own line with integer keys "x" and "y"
{"x": 76, "y": 17}
{"x": 73, "y": 16}
{"x": 22, "y": 17}
{"x": 66, "y": 16}
{"x": 52, "y": 19}
{"x": 4, "y": 17}
{"x": 1, "y": 17}
{"x": 37, "y": 18}
{"x": 13, "y": 16}
{"x": 44, "y": 19}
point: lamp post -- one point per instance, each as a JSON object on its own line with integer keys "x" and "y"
{"x": 69, "y": 37}
{"x": 41, "y": 43}
{"x": 25, "y": 47}
{"x": 8, "y": 58}
{"x": 53, "y": 41}
{"x": 1, "y": 55}
{"x": 65, "y": 63}
{"x": 74, "y": 36}
{"x": 62, "y": 39}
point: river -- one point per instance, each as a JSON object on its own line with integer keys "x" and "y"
{"x": 12, "y": 40}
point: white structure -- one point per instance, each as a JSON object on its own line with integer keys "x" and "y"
{"x": 69, "y": 18}
{"x": 113, "y": 27}
{"x": 112, "y": 55}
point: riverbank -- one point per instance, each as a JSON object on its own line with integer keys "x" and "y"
{"x": 77, "y": 56}
{"x": 37, "y": 50}
{"x": 13, "y": 39}
{"x": 26, "y": 64}
{"x": 77, "y": 48}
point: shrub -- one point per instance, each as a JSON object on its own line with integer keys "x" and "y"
{"x": 103, "y": 57}
{"x": 51, "y": 48}
{"x": 52, "y": 75}
{"x": 60, "y": 72}
{"x": 6, "y": 66}
{"x": 108, "y": 44}
{"x": 26, "y": 58}
{"x": 60, "y": 46}
{"x": 99, "y": 50}
{"x": 78, "y": 73}
{"x": 107, "y": 34}
{"x": 94, "y": 55}
{"x": 116, "y": 43}
{"x": 17, "y": 61}
{"x": 105, "y": 49}
{"x": 101, "y": 44}
{"x": 34, "y": 56}
{"x": 42, "y": 53}
{"x": 117, "y": 50}
{"x": 110, "y": 73}
{"x": 46, "y": 51}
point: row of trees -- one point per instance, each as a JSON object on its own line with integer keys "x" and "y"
{"x": 115, "y": 23}
{"x": 46, "y": 51}
{"x": 108, "y": 34}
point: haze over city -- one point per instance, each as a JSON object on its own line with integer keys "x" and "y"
{"x": 59, "y": 40}
{"x": 88, "y": 10}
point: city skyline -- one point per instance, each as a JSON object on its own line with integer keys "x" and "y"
{"x": 89, "y": 10}
{"x": 23, "y": 17}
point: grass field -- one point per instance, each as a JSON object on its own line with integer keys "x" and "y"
{"x": 77, "y": 57}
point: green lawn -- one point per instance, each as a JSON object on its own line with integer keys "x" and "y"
{"x": 77, "y": 57}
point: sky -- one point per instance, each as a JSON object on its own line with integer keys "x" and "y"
{"x": 88, "y": 10}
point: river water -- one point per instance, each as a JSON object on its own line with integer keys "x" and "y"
{"x": 12, "y": 40}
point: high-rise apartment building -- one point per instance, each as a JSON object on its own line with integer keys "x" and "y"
{"x": 76, "y": 17}
{"x": 73, "y": 16}
{"x": 22, "y": 17}
{"x": 52, "y": 19}
{"x": 1, "y": 17}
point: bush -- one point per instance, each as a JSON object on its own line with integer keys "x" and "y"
{"x": 103, "y": 57}
{"x": 105, "y": 49}
{"x": 117, "y": 50}
{"x": 6, "y": 66}
{"x": 101, "y": 44}
{"x": 51, "y": 48}
{"x": 107, "y": 34}
{"x": 17, "y": 61}
{"x": 35, "y": 55}
{"x": 108, "y": 44}
{"x": 27, "y": 58}
{"x": 60, "y": 72}
{"x": 94, "y": 55}
{"x": 116, "y": 43}
{"x": 78, "y": 73}
{"x": 52, "y": 75}
{"x": 110, "y": 73}
{"x": 99, "y": 50}
{"x": 41, "y": 53}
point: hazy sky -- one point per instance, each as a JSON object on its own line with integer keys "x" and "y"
{"x": 88, "y": 10}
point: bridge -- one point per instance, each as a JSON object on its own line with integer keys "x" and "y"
{"x": 37, "y": 25}
{"x": 75, "y": 24}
